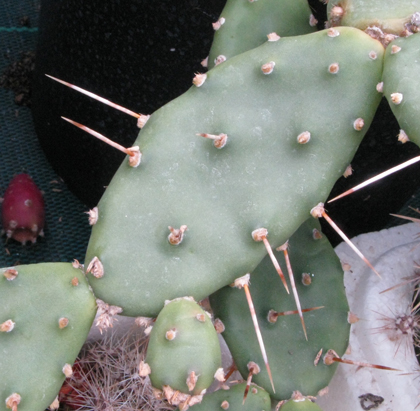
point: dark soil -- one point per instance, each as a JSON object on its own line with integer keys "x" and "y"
{"x": 17, "y": 77}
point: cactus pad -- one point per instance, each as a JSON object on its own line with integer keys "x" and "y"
{"x": 52, "y": 309}
{"x": 292, "y": 359}
{"x": 244, "y": 25}
{"x": 379, "y": 17}
{"x": 265, "y": 175}
{"x": 401, "y": 85}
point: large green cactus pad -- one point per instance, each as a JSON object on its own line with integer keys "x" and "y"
{"x": 401, "y": 84}
{"x": 52, "y": 309}
{"x": 290, "y": 356}
{"x": 246, "y": 24}
{"x": 322, "y": 83}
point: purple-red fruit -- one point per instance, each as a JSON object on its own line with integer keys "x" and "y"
{"x": 23, "y": 212}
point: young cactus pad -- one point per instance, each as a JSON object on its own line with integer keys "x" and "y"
{"x": 265, "y": 176}
{"x": 291, "y": 356}
{"x": 184, "y": 351}
{"x": 232, "y": 399}
{"x": 46, "y": 313}
{"x": 244, "y": 25}
{"x": 401, "y": 79}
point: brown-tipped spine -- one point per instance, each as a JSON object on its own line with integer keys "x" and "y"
{"x": 260, "y": 234}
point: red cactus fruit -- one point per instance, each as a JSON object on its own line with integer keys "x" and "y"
{"x": 23, "y": 212}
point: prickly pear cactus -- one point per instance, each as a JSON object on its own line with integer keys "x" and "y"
{"x": 296, "y": 364}
{"x": 244, "y": 25}
{"x": 184, "y": 352}
{"x": 232, "y": 399}
{"x": 401, "y": 84}
{"x": 180, "y": 223}
{"x": 45, "y": 316}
